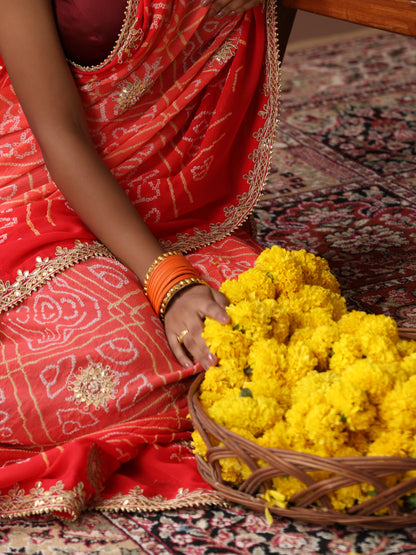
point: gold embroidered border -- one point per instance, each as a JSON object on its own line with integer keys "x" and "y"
{"x": 27, "y": 282}
{"x": 67, "y": 504}
{"x": 237, "y": 214}
{"x": 134, "y": 501}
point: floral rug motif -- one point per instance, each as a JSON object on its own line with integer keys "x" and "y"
{"x": 342, "y": 185}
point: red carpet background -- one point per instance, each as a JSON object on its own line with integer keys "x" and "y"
{"x": 342, "y": 185}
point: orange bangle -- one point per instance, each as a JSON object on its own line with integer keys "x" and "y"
{"x": 179, "y": 286}
{"x": 157, "y": 295}
{"x": 169, "y": 268}
{"x": 155, "y": 263}
{"x": 168, "y": 274}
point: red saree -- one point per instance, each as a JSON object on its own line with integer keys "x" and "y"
{"x": 92, "y": 403}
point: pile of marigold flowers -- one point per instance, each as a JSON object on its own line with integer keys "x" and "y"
{"x": 298, "y": 371}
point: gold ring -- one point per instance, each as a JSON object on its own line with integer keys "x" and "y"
{"x": 182, "y": 336}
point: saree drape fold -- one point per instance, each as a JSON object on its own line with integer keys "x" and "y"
{"x": 93, "y": 407}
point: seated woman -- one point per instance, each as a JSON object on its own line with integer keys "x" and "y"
{"x": 135, "y": 139}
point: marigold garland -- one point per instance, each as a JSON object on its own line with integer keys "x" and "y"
{"x": 298, "y": 371}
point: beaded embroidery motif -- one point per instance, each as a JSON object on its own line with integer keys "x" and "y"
{"x": 94, "y": 385}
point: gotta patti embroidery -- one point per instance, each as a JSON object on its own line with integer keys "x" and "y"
{"x": 132, "y": 44}
{"x": 11, "y": 294}
{"x": 131, "y": 93}
{"x": 16, "y": 503}
{"x": 225, "y": 52}
{"x": 134, "y": 500}
{"x": 95, "y": 386}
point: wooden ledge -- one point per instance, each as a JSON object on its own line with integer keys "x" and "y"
{"x": 396, "y": 16}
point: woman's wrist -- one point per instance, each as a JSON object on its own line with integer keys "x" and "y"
{"x": 169, "y": 274}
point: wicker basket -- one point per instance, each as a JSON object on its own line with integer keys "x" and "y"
{"x": 312, "y": 504}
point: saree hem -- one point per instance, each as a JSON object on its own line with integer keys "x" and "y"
{"x": 67, "y": 505}
{"x": 135, "y": 502}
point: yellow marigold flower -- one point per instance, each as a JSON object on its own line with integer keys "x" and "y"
{"x": 281, "y": 324}
{"x": 252, "y": 414}
{"x": 314, "y": 318}
{"x": 398, "y": 410}
{"x": 315, "y": 427}
{"x": 313, "y": 384}
{"x": 379, "y": 348}
{"x": 320, "y": 340}
{"x": 254, "y": 319}
{"x": 371, "y": 378}
{"x": 316, "y": 270}
{"x": 406, "y": 347}
{"x": 281, "y": 264}
{"x": 253, "y": 284}
{"x": 358, "y": 441}
{"x": 300, "y": 361}
{"x": 311, "y": 297}
{"x": 408, "y": 364}
{"x": 225, "y": 342}
{"x": 345, "y": 498}
{"x": 221, "y": 381}
{"x": 233, "y": 470}
{"x": 267, "y": 361}
{"x": 348, "y": 451}
{"x": 198, "y": 444}
{"x": 412, "y": 448}
{"x": 373, "y": 324}
{"x": 276, "y": 437}
{"x": 391, "y": 443}
{"x": 345, "y": 352}
{"x": 352, "y": 403}
{"x": 288, "y": 486}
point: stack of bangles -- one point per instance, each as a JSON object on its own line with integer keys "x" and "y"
{"x": 170, "y": 273}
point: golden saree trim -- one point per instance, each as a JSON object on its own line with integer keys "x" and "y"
{"x": 135, "y": 500}
{"x": 68, "y": 504}
{"x": 11, "y": 294}
{"x": 237, "y": 214}
{"x": 18, "y": 503}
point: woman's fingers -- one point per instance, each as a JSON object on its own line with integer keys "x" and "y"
{"x": 184, "y": 324}
{"x": 226, "y": 7}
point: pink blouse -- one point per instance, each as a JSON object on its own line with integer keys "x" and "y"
{"x": 89, "y": 28}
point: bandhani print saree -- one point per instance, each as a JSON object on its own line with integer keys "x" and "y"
{"x": 93, "y": 410}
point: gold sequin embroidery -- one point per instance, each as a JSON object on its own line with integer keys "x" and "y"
{"x": 225, "y": 52}
{"x": 132, "y": 44}
{"x": 95, "y": 386}
{"x": 27, "y": 282}
{"x": 131, "y": 93}
{"x": 135, "y": 500}
{"x": 16, "y": 503}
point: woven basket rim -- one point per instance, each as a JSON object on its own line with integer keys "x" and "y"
{"x": 297, "y": 464}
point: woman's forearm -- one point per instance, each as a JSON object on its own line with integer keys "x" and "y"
{"x": 99, "y": 200}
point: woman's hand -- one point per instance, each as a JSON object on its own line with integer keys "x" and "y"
{"x": 226, "y": 7}
{"x": 184, "y": 323}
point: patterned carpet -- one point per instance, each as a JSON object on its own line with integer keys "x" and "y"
{"x": 342, "y": 185}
